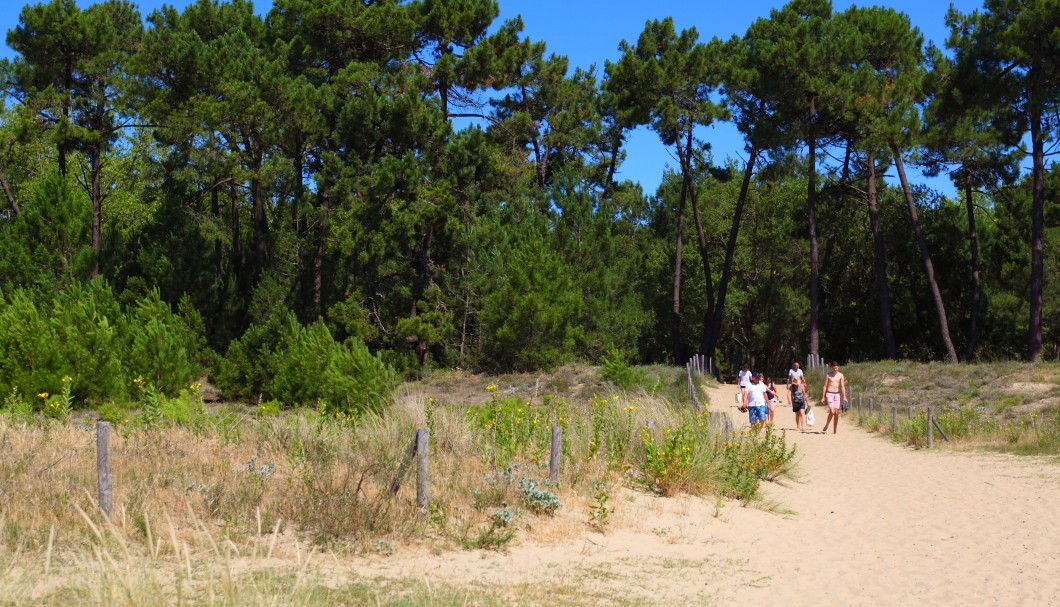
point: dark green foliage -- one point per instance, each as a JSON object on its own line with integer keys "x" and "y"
{"x": 84, "y": 334}
{"x": 616, "y": 369}
{"x": 93, "y": 338}
{"x": 29, "y": 355}
{"x": 530, "y": 316}
{"x": 246, "y": 370}
{"x": 163, "y": 348}
{"x": 48, "y": 242}
{"x": 344, "y": 376}
{"x": 315, "y": 166}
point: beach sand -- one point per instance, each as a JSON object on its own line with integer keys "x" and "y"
{"x": 867, "y": 522}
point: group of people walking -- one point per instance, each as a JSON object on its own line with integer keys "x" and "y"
{"x": 760, "y": 395}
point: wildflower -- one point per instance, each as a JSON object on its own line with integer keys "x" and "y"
{"x": 631, "y": 408}
{"x": 67, "y": 379}
{"x": 42, "y": 395}
{"x": 139, "y": 381}
{"x": 491, "y": 388}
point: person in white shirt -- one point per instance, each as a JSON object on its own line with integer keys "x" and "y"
{"x": 793, "y": 372}
{"x": 745, "y": 377}
{"x": 754, "y": 398}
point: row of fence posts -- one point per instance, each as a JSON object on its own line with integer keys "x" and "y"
{"x": 419, "y": 449}
{"x": 815, "y": 361}
{"x": 932, "y": 422}
{"x": 418, "y": 452}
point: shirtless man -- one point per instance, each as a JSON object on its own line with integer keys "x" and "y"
{"x": 834, "y": 395}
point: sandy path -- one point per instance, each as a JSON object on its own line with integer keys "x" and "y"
{"x": 868, "y": 523}
{"x": 878, "y": 524}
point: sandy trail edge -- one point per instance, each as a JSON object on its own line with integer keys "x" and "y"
{"x": 870, "y": 523}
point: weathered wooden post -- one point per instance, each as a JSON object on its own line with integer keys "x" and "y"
{"x": 103, "y": 468}
{"x": 423, "y": 464}
{"x": 556, "y": 453}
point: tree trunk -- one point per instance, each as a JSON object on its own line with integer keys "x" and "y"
{"x": 713, "y": 332}
{"x": 977, "y": 287}
{"x": 237, "y": 248}
{"x": 890, "y": 345}
{"x": 811, "y": 219}
{"x": 704, "y": 255}
{"x": 940, "y": 308}
{"x": 422, "y": 284}
{"x": 8, "y": 194}
{"x": 1034, "y": 332}
{"x": 318, "y": 257}
{"x": 675, "y": 316}
{"x": 260, "y": 222}
{"x": 95, "y": 159}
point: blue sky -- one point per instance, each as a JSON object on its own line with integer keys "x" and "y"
{"x": 589, "y": 31}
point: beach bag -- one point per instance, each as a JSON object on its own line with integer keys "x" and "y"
{"x": 739, "y": 402}
{"x": 845, "y": 406}
{"x": 809, "y": 417}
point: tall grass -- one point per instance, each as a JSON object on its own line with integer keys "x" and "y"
{"x": 197, "y": 502}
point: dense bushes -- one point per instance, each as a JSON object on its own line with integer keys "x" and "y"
{"x": 303, "y": 365}
{"x": 84, "y": 334}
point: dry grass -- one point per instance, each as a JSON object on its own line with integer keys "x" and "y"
{"x": 1005, "y": 406}
{"x": 246, "y": 510}
{"x": 236, "y": 509}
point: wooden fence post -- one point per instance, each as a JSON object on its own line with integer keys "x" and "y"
{"x": 555, "y": 454}
{"x": 423, "y": 463}
{"x": 103, "y": 468}
{"x": 693, "y": 393}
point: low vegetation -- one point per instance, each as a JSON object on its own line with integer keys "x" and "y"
{"x": 206, "y": 488}
{"x": 208, "y": 499}
{"x": 1004, "y": 406}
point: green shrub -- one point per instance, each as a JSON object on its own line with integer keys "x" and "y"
{"x": 84, "y": 335}
{"x": 247, "y": 368}
{"x": 346, "y": 375}
{"x": 355, "y": 379}
{"x": 616, "y": 370}
{"x": 114, "y": 413}
{"x": 162, "y": 347}
{"x": 538, "y": 499}
{"x": 750, "y": 456}
{"x": 670, "y": 455}
{"x": 29, "y": 352}
{"x": 514, "y": 427}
